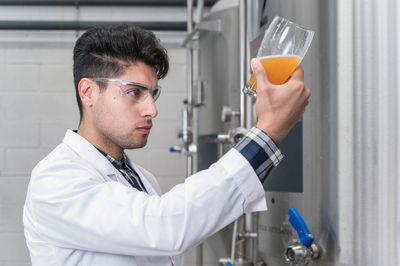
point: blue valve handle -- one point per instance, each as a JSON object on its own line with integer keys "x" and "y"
{"x": 295, "y": 219}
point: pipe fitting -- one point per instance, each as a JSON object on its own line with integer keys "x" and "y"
{"x": 298, "y": 254}
{"x": 233, "y": 137}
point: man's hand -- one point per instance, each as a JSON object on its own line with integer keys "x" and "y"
{"x": 279, "y": 107}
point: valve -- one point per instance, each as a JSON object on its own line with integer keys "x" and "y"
{"x": 302, "y": 251}
{"x": 227, "y": 114}
{"x": 186, "y": 130}
{"x": 225, "y": 262}
{"x": 187, "y": 148}
{"x": 298, "y": 254}
{"x": 192, "y": 149}
{"x": 295, "y": 219}
{"x": 175, "y": 149}
{"x": 233, "y": 136}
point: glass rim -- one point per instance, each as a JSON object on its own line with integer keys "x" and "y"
{"x": 269, "y": 30}
{"x": 292, "y": 23}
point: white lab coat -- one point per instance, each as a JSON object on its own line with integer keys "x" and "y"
{"x": 79, "y": 209}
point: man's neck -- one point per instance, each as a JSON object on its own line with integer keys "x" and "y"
{"x": 100, "y": 142}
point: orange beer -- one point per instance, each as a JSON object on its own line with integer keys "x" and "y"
{"x": 278, "y": 68}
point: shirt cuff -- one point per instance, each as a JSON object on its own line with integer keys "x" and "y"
{"x": 261, "y": 152}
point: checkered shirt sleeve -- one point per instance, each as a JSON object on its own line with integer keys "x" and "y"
{"x": 261, "y": 152}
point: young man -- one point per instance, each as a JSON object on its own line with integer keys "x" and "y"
{"x": 89, "y": 204}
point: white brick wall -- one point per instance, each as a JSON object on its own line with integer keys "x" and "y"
{"x": 33, "y": 117}
{"x": 37, "y": 105}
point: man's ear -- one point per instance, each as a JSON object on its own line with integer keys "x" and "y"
{"x": 86, "y": 88}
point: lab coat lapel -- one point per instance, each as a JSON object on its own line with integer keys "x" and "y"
{"x": 89, "y": 153}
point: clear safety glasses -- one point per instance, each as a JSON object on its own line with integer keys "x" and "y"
{"x": 135, "y": 91}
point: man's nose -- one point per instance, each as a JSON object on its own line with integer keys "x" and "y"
{"x": 149, "y": 108}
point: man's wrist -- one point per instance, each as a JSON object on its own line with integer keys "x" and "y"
{"x": 276, "y": 135}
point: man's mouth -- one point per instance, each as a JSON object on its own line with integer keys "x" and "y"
{"x": 144, "y": 129}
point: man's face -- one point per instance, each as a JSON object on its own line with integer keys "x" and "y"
{"x": 119, "y": 119}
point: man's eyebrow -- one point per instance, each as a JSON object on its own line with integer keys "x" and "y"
{"x": 139, "y": 85}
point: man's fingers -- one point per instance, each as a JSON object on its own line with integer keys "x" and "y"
{"x": 298, "y": 73}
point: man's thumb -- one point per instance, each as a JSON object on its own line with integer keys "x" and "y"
{"x": 259, "y": 73}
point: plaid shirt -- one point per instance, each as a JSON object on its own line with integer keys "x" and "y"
{"x": 127, "y": 172}
{"x": 261, "y": 152}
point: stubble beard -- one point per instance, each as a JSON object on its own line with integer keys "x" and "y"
{"x": 136, "y": 144}
{"x": 127, "y": 141}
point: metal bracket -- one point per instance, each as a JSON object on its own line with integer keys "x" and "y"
{"x": 199, "y": 94}
{"x": 208, "y": 25}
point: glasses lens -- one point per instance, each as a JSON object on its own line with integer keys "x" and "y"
{"x": 155, "y": 93}
{"x": 136, "y": 93}
{"x": 139, "y": 93}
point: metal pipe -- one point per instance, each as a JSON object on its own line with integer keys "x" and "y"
{"x": 83, "y": 25}
{"x": 189, "y": 65}
{"x": 189, "y": 51}
{"x": 99, "y": 2}
{"x": 189, "y": 93}
{"x": 199, "y": 11}
{"x": 250, "y": 226}
{"x": 255, "y": 240}
{"x": 234, "y": 237}
{"x": 254, "y": 9}
{"x": 243, "y": 58}
{"x": 249, "y": 243}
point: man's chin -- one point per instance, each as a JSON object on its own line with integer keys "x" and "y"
{"x": 135, "y": 145}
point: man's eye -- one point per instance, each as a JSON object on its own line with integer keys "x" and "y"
{"x": 134, "y": 92}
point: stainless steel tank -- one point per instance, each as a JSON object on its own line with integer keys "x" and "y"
{"x": 217, "y": 86}
{"x": 219, "y": 77}
{"x": 349, "y": 134}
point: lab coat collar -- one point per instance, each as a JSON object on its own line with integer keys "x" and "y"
{"x": 87, "y": 151}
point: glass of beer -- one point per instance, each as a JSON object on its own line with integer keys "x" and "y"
{"x": 283, "y": 47}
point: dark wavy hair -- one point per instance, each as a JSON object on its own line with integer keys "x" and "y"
{"x": 109, "y": 51}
